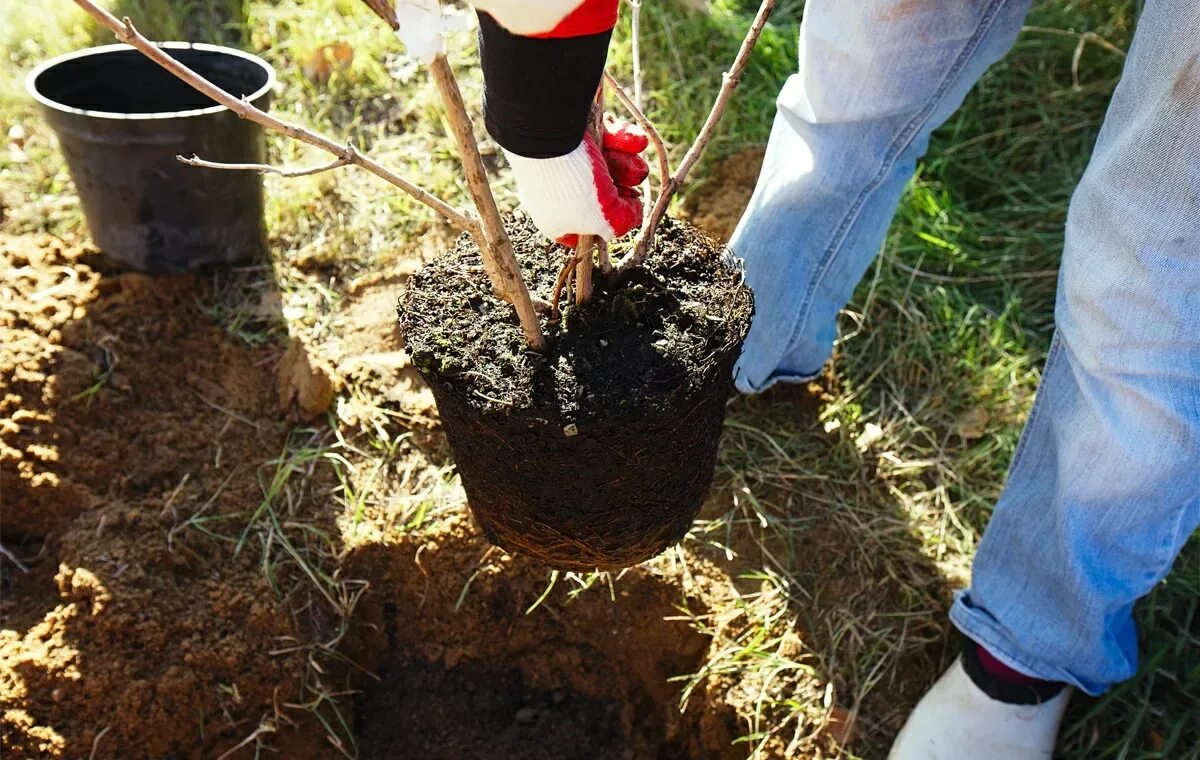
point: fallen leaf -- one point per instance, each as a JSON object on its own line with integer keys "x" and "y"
{"x": 17, "y": 135}
{"x": 838, "y": 726}
{"x": 972, "y": 423}
{"x": 306, "y": 385}
{"x": 322, "y": 62}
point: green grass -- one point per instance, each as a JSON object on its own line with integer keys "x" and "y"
{"x": 849, "y": 546}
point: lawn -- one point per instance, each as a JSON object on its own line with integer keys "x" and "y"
{"x": 806, "y": 611}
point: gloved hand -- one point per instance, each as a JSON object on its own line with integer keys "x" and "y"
{"x": 551, "y": 18}
{"x": 590, "y": 191}
{"x": 542, "y": 62}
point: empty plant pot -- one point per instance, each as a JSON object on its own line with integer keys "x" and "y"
{"x": 597, "y": 452}
{"x": 121, "y": 120}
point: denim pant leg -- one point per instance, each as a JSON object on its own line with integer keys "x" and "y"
{"x": 876, "y": 77}
{"x": 1105, "y": 487}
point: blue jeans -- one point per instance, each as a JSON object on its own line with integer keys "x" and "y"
{"x": 1104, "y": 488}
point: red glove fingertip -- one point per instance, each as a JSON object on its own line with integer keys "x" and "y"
{"x": 627, "y": 169}
{"x": 624, "y": 136}
{"x": 626, "y": 213}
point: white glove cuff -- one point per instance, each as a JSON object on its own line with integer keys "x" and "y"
{"x": 560, "y": 194}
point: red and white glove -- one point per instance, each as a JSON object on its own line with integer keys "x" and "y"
{"x": 591, "y": 190}
{"x": 551, "y": 18}
{"x": 542, "y": 62}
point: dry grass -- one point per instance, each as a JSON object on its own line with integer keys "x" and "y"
{"x": 843, "y": 517}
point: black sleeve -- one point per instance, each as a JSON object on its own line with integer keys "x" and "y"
{"x": 537, "y": 93}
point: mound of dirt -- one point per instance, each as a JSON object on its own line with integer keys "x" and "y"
{"x": 125, "y": 413}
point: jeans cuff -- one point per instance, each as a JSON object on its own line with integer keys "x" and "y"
{"x": 976, "y": 626}
{"x": 743, "y": 385}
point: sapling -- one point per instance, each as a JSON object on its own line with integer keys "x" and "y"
{"x": 485, "y": 224}
{"x": 629, "y": 400}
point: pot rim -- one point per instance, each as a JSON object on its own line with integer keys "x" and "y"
{"x": 32, "y": 89}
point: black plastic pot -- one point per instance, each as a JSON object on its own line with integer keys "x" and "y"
{"x": 121, "y": 120}
{"x": 598, "y": 451}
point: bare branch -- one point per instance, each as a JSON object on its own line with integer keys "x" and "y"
{"x": 605, "y": 262}
{"x": 385, "y": 11}
{"x": 729, "y": 82}
{"x": 494, "y": 244}
{"x": 506, "y": 278}
{"x": 263, "y": 168}
{"x": 660, "y": 148}
{"x": 635, "y": 31}
{"x": 125, "y": 31}
{"x": 588, "y": 243}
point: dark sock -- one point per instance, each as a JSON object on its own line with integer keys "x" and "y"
{"x": 1002, "y": 683}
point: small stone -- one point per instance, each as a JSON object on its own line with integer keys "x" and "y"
{"x": 527, "y": 715}
{"x": 571, "y": 430}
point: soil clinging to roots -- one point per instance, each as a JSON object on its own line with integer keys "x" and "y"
{"x": 598, "y": 451}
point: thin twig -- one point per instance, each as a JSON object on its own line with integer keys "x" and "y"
{"x": 96, "y": 741}
{"x": 263, "y": 168}
{"x": 495, "y": 246}
{"x": 588, "y": 243}
{"x": 660, "y": 148}
{"x": 729, "y": 81}
{"x": 563, "y": 275}
{"x": 125, "y": 32}
{"x": 635, "y": 30}
{"x": 4, "y": 550}
{"x": 605, "y": 262}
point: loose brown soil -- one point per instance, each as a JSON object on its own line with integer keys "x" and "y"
{"x": 554, "y": 447}
{"x": 717, "y": 205}
{"x": 138, "y": 436}
{"x": 125, "y": 412}
{"x": 478, "y": 656}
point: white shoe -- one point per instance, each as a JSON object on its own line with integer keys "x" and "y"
{"x": 956, "y": 720}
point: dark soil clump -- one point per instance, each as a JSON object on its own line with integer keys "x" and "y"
{"x": 632, "y": 349}
{"x": 598, "y": 451}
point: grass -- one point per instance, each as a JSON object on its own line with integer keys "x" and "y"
{"x": 848, "y": 520}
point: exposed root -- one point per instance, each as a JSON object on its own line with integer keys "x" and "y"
{"x": 563, "y": 277}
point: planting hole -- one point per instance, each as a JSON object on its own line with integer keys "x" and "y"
{"x": 464, "y": 671}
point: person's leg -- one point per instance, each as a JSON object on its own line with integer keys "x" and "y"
{"x": 876, "y": 77}
{"x": 1104, "y": 488}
